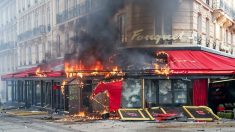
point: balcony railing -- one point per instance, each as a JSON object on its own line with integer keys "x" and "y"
{"x": 75, "y": 11}
{"x": 5, "y": 46}
{"x": 225, "y": 7}
{"x": 35, "y": 32}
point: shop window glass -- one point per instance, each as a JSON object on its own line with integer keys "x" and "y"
{"x": 165, "y": 92}
{"x": 131, "y": 93}
{"x": 38, "y": 93}
{"x": 180, "y": 92}
{"x": 150, "y": 93}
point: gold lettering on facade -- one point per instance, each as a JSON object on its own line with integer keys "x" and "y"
{"x": 138, "y": 36}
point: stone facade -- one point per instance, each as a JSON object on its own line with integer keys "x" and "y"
{"x": 8, "y": 40}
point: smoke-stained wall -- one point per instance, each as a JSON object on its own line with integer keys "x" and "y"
{"x": 98, "y": 35}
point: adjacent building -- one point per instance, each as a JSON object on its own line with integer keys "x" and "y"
{"x": 8, "y": 42}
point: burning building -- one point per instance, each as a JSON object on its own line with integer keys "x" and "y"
{"x": 164, "y": 53}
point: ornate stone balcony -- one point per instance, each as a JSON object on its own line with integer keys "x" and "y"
{"x": 223, "y": 13}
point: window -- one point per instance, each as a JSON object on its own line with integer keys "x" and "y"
{"x": 215, "y": 31}
{"x": 67, "y": 45}
{"x": 199, "y": 29}
{"x": 180, "y": 92}
{"x": 208, "y": 2}
{"x": 232, "y": 39}
{"x": 48, "y": 19}
{"x": 58, "y": 6}
{"x": 232, "y": 45}
{"x": 150, "y": 93}
{"x": 199, "y": 23}
{"x": 58, "y": 46}
{"x": 131, "y": 93}
{"x": 30, "y": 55}
{"x": 226, "y": 37}
{"x": 122, "y": 28}
{"x": 207, "y": 32}
{"x": 166, "y": 92}
{"x": 37, "y": 54}
{"x": 156, "y": 92}
{"x": 36, "y": 19}
{"x": 43, "y": 51}
{"x": 221, "y": 33}
{"x": 163, "y": 24}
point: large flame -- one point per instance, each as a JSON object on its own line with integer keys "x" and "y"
{"x": 165, "y": 70}
{"x": 80, "y": 70}
{"x": 161, "y": 67}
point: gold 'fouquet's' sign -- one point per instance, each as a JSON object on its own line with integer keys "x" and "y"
{"x": 138, "y": 36}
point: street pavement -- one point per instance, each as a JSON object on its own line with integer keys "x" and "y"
{"x": 36, "y": 123}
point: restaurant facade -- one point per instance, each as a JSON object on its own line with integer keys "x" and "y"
{"x": 168, "y": 53}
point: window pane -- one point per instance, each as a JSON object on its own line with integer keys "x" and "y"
{"x": 131, "y": 93}
{"x": 165, "y": 92}
{"x": 180, "y": 92}
{"x": 150, "y": 93}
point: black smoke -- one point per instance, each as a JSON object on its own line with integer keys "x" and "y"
{"x": 97, "y": 34}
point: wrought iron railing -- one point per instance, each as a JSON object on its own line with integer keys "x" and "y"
{"x": 5, "y": 46}
{"x": 32, "y": 33}
{"x": 72, "y": 12}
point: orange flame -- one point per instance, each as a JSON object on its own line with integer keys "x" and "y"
{"x": 165, "y": 70}
{"x": 81, "y": 114}
{"x": 39, "y": 73}
{"x": 62, "y": 87}
{"x": 115, "y": 71}
{"x": 79, "y": 70}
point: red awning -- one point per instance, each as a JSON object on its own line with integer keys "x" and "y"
{"x": 55, "y": 74}
{"x": 21, "y": 74}
{"x": 26, "y": 73}
{"x": 199, "y": 62}
{"x": 7, "y": 76}
{"x": 53, "y": 69}
{"x": 114, "y": 90}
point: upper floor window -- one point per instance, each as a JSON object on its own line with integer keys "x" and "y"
{"x": 208, "y": 2}
{"x": 163, "y": 24}
{"x": 226, "y": 37}
{"x": 37, "y": 54}
{"x": 199, "y": 23}
{"x": 232, "y": 39}
{"x": 122, "y": 28}
{"x": 30, "y": 55}
{"x": 58, "y": 46}
{"x": 207, "y": 28}
{"x": 221, "y": 34}
{"x": 199, "y": 28}
{"x": 207, "y": 32}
